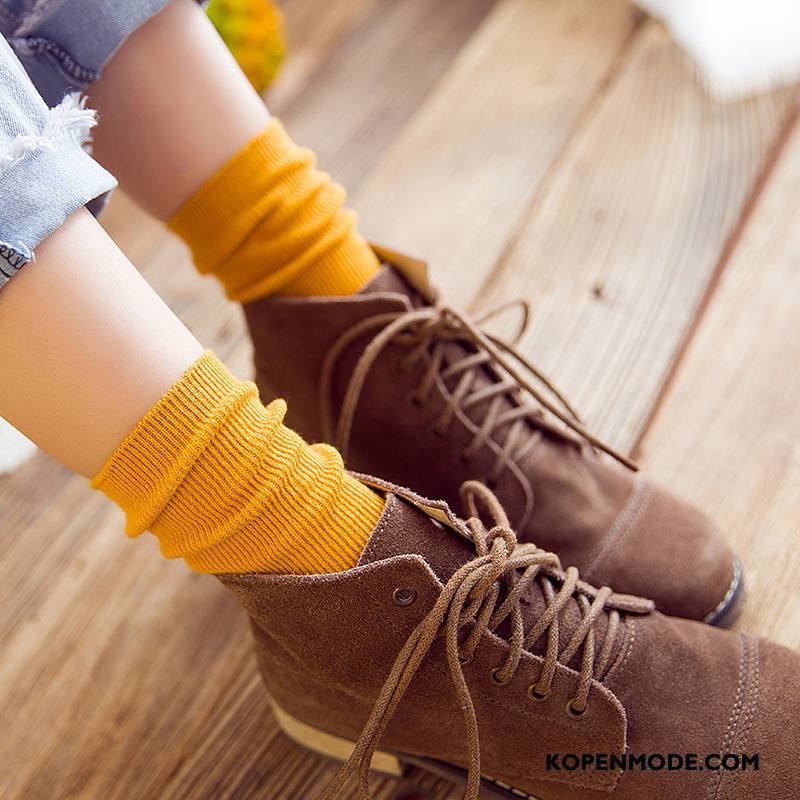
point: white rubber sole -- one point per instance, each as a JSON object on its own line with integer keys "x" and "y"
{"x": 339, "y": 749}
{"x": 330, "y": 746}
{"x": 728, "y": 609}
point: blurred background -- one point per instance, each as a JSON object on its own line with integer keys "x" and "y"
{"x": 631, "y": 170}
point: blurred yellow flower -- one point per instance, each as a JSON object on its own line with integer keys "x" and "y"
{"x": 253, "y": 30}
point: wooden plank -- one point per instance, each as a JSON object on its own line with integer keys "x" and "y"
{"x": 728, "y": 432}
{"x": 617, "y": 242}
{"x": 313, "y": 32}
{"x": 616, "y": 252}
{"x": 359, "y": 99}
{"x": 456, "y": 184}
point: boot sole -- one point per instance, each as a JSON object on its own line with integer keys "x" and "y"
{"x": 331, "y": 746}
{"x": 394, "y": 765}
{"x": 729, "y": 608}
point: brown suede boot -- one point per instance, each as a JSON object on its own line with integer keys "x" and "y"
{"x": 415, "y": 392}
{"x": 452, "y": 648}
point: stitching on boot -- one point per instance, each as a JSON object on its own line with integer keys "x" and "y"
{"x": 755, "y": 694}
{"x": 623, "y": 525}
{"x": 755, "y": 690}
{"x": 726, "y": 782}
{"x": 618, "y": 668}
{"x": 737, "y": 577}
{"x": 69, "y": 120}
{"x": 742, "y": 702}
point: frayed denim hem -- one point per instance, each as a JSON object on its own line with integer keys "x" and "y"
{"x": 44, "y": 178}
{"x": 70, "y": 119}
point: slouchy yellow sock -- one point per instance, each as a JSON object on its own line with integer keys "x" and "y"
{"x": 226, "y": 486}
{"x": 269, "y": 223}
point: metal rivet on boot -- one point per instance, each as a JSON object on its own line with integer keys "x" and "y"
{"x": 497, "y": 680}
{"x": 536, "y": 695}
{"x": 574, "y": 712}
{"x": 404, "y": 596}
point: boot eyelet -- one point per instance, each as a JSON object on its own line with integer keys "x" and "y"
{"x": 438, "y": 431}
{"x": 535, "y": 695}
{"x": 494, "y": 675}
{"x": 574, "y": 712}
{"x": 415, "y": 400}
{"x": 399, "y": 366}
{"x": 490, "y": 483}
{"x": 463, "y": 457}
{"x": 464, "y": 659}
{"x": 404, "y": 596}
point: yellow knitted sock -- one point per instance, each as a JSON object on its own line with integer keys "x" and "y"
{"x": 269, "y": 223}
{"x": 226, "y": 486}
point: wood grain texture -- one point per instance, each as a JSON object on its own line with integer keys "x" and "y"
{"x": 455, "y": 185}
{"x": 359, "y": 99}
{"x": 617, "y": 249}
{"x": 540, "y": 148}
{"x": 728, "y": 432}
{"x": 313, "y": 31}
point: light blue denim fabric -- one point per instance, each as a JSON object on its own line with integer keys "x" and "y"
{"x": 50, "y": 48}
{"x": 64, "y": 44}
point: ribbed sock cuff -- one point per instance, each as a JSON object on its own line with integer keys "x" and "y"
{"x": 269, "y": 223}
{"x": 226, "y": 486}
{"x": 156, "y": 456}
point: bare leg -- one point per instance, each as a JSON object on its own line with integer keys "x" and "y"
{"x": 100, "y": 373}
{"x": 104, "y": 348}
{"x": 174, "y": 106}
{"x": 175, "y": 110}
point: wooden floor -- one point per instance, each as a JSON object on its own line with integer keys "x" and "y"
{"x": 559, "y": 151}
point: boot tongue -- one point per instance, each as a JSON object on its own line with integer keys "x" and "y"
{"x": 387, "y": 279}
{"x": 404, "y": 529}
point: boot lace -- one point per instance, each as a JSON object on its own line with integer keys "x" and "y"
{"x": 471, "y": 600}
{"x": 427, "y": 331}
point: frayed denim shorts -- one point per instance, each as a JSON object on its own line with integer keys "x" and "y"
{"x": 50, "y": 51}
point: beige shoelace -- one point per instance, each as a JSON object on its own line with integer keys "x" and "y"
{"x": 429, "y": 330}
{"x": 470, "y": 600}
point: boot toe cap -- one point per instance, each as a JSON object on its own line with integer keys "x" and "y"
{"x": 663, "y": 548}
